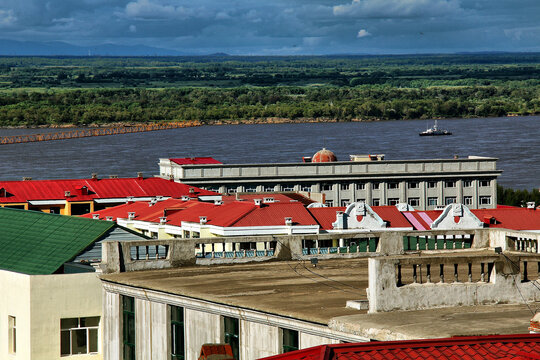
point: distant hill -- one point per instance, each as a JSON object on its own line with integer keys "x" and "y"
{"x": 29, "y": 48}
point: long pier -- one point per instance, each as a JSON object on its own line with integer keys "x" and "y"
{"x": 104, "y": 131}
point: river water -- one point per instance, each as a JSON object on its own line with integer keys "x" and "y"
{"x": 514, "y": 140}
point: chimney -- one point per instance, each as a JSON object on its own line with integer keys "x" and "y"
{"x": 140, "y": 175}
{"x": 192, "y": 190}
{"x": 184, "y": 198}
{"x": 109, "y": 218}
{"x": 268, "y": 200}
{"x": 163, "y": 220}
{"x": 95, "y": 216}
{"x": 131, "y": 215}
{"x": 218, "y": 202}
{"x": 288, "y": 221}
{"x": 67, "y": 193}
{"x": 113, "y": 176}
{"x": 26, "y": 178}
{"x": 129, "y": 199}
{"x": 202, "y": 220}
{"x": 531, "y": 205}
{"x": 171, "y": 177}
{"x": 257, "y": 202}
{"x": 94, "y": 176}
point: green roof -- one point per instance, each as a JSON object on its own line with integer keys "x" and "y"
{"x": 33, "y": 242}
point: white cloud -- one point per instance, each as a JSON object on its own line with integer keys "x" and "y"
{"x": 363, "y": 33}
{"x": 132, "y": 28}
{"x": 7, "y": 18}
{"x": 222, "y": 15}
{"x": 397, "y": 8}
{"x": 146, "y": 9}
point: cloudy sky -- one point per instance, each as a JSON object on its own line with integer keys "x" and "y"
{"x": 275, "y": 27}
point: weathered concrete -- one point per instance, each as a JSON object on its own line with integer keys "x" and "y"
{"x": 437, "y": 323}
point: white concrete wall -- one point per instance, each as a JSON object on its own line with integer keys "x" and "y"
{"x": 54, "y": 297}
{"x": 258, "y": 340}
{"x": 15, "y": 301}
{"x": 151, "y": 329}
{"x": 112, "y": 326}
{"x": 308, "y": 340}
{"x": 201, "y": 328}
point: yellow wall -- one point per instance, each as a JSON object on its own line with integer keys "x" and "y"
{"x": 15, "y": 301}
{"x": 54, "y": 297}
{"x": 39, "y": 302}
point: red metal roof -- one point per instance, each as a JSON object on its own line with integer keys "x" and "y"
{"x": 274, "y": 214}
{"x": 195, "y": 161}
{"x": 523, "y": 347}
{"x": 23, "y": 191}
{"x": 278, "y": 197}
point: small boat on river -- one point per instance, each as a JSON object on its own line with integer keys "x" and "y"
{"x": 435, "y": 131}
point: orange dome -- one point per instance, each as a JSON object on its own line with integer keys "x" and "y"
{"x": 324, "y": 155}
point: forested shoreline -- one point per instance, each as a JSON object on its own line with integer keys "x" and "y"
{"x": 59, "y": 91}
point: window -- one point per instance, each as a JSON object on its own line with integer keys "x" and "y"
{"x": 187, "y": 234}
{"x": 326, "y": 186}
{"x": 467, "y": 200}
{"x": 288, "y": 188}
{"x": 345, "y": 202}
{"x": 413, "y": 185}
{"x": 128, "y": 327}
{"x": 432, "y": 201}
{"x": 79, "y": 336}
{"x": 329, "y": 203}
{"x": 177, "y": 333}
{"x": 485, "y": 200}
{"x": 484, "y": 183}
{"x": 360, "y": 186}
{"x": 393, "y": 185}
{"x": 361, "y": 200}
{"x": 305, "y": 187}
{"x": 375, "y": 185}
{"x": 269, "y": 188}
{"x": 431, "y": 184}
{"x": 231, "y": 332}
{"x": 393, "y": 201}
{"x": 450, "y": 184}
{"x": 414, "y": 202}
{"x": 467, "y": 183}
{"x": 289, "y": 340}
{"x": 12, "y": 334}
{"x": 449, "y": 200}
{"x": 376, "y": 202}
{"x": 251, "y": 188}
{"x": 344, "y": 186}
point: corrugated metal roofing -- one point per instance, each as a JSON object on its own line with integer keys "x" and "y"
{"x": 23, "y": 191}
{"x": 278, "y": 197}
{"x": 502, "y": 347}
{"x": 195, "y": 161}
{"x": 33, "y": 242}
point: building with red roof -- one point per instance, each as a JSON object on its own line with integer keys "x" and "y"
{"x": 503, "y": 347}
{"x": 80, "y": 196}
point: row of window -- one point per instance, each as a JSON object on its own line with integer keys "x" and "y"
{"x": 360, "y": 186}
{"x": 231, "y": 332}
{"x": 415, "y": 202}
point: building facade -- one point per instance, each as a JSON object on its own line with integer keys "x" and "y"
{"x": 423, "y": 184}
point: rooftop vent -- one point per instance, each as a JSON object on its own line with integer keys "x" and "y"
{"x": 184, "y": 198}
{"x": 531, "y": 205}
{"x": 218, "y": 202}
{"x": 257, "y": 202}
{"x": 269, "y": 200}
{"x": 26, "y": 178}
{"x": 113, "y": 176}
{"x": 288, "y": 221}
{"x": 153, "y": 201}
{"x": 131, "y": 215}
{"x": 94, "y": 176}
{"x": 67, "y": 193}
{"x": 192, "y": 190}
{"x": 95, "y": 216}
{"x": 129, "y": 198}
{"x": 163, "y": 220}
{"x": 109, "y": 218}
{"x": 139, "y": 175}
{"x": 202, "y": 220}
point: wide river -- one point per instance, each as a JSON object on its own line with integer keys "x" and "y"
{"x": 514, "y": 140}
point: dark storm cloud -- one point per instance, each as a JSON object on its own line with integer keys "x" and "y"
{"x": 280, "y": 26}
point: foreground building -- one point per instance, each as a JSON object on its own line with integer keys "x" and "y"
{"x": 50, "y": 295}
{"x": 81, "y": 196}
{"x": 423, "y": 184}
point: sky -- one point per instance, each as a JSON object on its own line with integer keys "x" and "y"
{"x": 280, "y": 27}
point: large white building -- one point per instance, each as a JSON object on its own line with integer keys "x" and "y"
{"x": 423, "y": 184}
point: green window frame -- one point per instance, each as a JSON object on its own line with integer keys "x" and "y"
{"x": 289, "y": 340}
{"x": 177, "y": 333}
{"x": 128, "y": 327}
{"x": 231, "y": 331}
